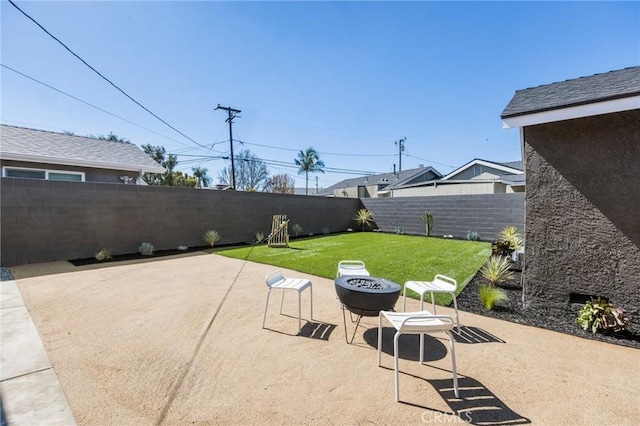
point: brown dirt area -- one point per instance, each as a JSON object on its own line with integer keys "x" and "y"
{"x": 179, "y": 341}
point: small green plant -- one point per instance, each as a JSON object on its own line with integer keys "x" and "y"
{"x": 296, "y": 229}
{"x": 491, "y": 296}
{"x": 427, "y": 218}
{"x": 601, "y": 315}
{"x": 399, "y": 230}
{"x": 211, "y": 237}
{"x": 259, "y": 237}
{"x": 364, "y": 217}
{"x": 473, "y": 236}
{"x": 146, "y": 249}
{"x": 104, "y": 254}
{"x": 497, "y": 270}
{"x": 325, "y": 231}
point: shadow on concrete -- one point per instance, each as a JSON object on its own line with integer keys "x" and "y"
{"x": 408, "y": 344}
{"x": 310, "y": 329}
{"x": 473, "y": 335}
{"x": 317, "y": 330}
{"x": 476, "y": 405}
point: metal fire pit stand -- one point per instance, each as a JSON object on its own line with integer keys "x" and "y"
{"x": 344, "y": 318}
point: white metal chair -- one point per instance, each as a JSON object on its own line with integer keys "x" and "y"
{"x": 352, "y": 267}
{"x": 440, "y": 284}
{"x": 278, "y": 281}
{"x": 421, "y": 323}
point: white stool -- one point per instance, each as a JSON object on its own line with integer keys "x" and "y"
{"x": 440, "y": 284}
{"x": 417, "y": 323}
{"x": 277, "y": 280}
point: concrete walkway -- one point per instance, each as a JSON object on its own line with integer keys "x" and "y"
{"x": 30, "y": 390}
{"x": 179, "y": 341}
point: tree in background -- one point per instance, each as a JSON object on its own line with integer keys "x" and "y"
{"x": 114, "y": 138}
{"x": 200, "y": 173}
{"x": 169, "y": 162}
{"x": 309, "y": 161}
{"x": 281, "y": 184}
{"x": 251, "y": 172}
{"x": 183, "y": 179}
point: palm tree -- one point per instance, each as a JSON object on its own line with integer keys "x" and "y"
{"x": 201, "y": 174}
{"x": 308, "y": 161}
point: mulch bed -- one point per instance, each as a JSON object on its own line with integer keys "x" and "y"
{"x": 135, "y": 256}
{"x": 559, "y": 320}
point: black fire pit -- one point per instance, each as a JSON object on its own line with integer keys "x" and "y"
{"x": 367, "y": 296}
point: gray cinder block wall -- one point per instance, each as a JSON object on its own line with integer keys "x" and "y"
{"x": 486, "y": 214}
{"x": 47, "y": 220}
{"x": 583, "y": 211}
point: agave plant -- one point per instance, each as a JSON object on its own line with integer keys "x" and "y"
{"x": 211, "y": 237}
{"x": 364, "y": 217}
{"x": 497, "y": 270}
{"x": 146, "y": 249}
{"x": 491, "y": 296}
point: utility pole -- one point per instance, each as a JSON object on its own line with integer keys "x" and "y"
{"x": 400, "y": 145}
{"x": 316, "y": 185}
{"x": 232, "y": 114}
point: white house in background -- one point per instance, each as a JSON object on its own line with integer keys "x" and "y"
{"x": 40, "y": 154}
{"x": 380, "y": 185}
{"x": 475, "y": 177}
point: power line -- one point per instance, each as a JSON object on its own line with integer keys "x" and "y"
{"x": 103, "y": 77}
{"x": 320, "y": 152}
{"x": 325, "y": 130}
{"x": 90, "y": 104}
{"x": 429, "y": 161}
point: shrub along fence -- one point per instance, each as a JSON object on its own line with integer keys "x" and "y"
{"x": 47, "y": 220}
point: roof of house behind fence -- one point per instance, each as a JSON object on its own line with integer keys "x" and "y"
{"x": 579, "y": 91}
{"x": 40, "y": 146}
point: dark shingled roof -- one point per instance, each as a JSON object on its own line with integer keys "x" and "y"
{"x": 44, "y": 146}
{"x": 580, "y": 91}
{"x": 387, "y": 180}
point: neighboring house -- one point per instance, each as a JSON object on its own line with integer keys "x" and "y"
{"x": 380, "y": 185}
{"x": 581, "y": 146}
{"x": 475, "y": 177}
{"x": 40, "y": 154}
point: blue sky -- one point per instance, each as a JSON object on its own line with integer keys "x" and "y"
{"x": 347, "y": 78}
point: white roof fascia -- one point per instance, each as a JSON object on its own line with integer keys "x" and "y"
{"x": 457, "y": 182}
{"x": 484, "y": 163}
{"x": 588, "y": 110}
{"x": 80, "y": 163}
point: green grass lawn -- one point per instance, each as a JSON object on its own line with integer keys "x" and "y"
{"x": 399, "y": 258}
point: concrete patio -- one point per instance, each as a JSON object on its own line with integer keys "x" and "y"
{"x": 179, "y": 341}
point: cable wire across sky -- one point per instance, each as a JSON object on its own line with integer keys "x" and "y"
{"x": 102, "y": 76}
